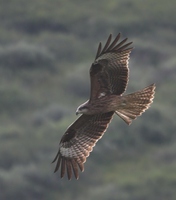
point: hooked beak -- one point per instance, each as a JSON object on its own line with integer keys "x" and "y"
{"x": 77, "y": 112}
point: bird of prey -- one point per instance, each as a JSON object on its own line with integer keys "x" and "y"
{"x": 109, "y": 77}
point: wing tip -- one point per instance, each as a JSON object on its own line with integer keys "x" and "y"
{"x": 67, "y": 166}
{"x": 114, "y": 46}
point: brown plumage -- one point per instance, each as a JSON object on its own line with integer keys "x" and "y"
{"x": 109, "y": 77}
{"x": 79, "y": 140}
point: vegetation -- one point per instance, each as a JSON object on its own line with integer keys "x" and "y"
{"x": 46, "y": 49}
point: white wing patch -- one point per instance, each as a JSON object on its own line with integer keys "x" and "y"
{"x": 67, "y": 152}
{"x": 102, "y": 94}
{"x": 76, "y": 151}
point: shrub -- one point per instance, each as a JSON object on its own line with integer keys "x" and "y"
{"x": 13, "y": 100}
{"x": 25, "y": 56}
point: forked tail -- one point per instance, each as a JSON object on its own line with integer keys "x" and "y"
{"x": 135, "y": 104}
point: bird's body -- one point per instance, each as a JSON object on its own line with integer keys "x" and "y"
{"x": 109, "y": 78}
{"x": 102, "y": 105}
{"x": 131, "y": 105}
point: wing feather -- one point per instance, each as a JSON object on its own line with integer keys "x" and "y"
{"x": 81, "y": 166}
{"x": 58, "y": 162}
{"x": 119, "y": 45}
{"x": 109, "y": 72}
{"x": 114, "y": 42}
{"x": 78, "y": 141}
{"x": 69, "y": 169}
{"x": 99, "y": 50}
{"x": 107, "y": 44}
{"x": 75, "y": 168}
{"x": 63, "y": 167}
{"x": 124, "y": 47}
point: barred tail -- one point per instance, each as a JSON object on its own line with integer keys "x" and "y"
{"x": 135, "y": 104}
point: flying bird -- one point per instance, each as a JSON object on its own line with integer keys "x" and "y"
{"x": 109, "y": 78}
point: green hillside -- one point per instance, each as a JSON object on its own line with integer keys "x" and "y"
{"x": 46, "y": 50}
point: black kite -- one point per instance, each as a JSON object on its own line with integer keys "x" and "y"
{"x": 109, "y": 77}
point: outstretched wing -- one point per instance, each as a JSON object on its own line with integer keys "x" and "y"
{"x": 78, "y": 141}
{"x": 109, "y": 72}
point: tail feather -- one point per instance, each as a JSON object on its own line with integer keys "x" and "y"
{"x": 133, "y": 105}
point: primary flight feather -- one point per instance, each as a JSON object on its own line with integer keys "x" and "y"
{"x": 109, "y": 77}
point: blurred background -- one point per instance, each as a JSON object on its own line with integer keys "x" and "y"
{"x": 46, "y": 50}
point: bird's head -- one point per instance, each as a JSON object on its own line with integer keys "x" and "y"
{"x": 82, "y": 109}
